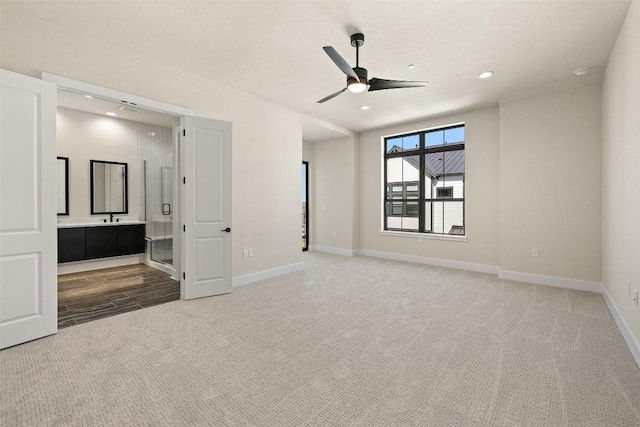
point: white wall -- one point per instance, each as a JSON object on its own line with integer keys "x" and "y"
{"x": 621, "y": 170}
{"x": 335, "y": 194}
{"x": 481, "y": 148}
{"x": 266, "y": 138}
{"x": 83, "y": 137}
{"x": 550, "y": 184}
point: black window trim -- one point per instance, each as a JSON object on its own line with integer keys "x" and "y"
{"x": 422, "y": 199}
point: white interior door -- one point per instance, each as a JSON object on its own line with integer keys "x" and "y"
{"x": 206, "y": 160}
{"x": 28, "y": 233}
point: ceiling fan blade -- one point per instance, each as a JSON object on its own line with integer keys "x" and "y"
{"x": 333, "y": 95}
{"x": 381, "y": 84}
{"x": 340, "y": 62}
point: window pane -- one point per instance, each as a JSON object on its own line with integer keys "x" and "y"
{"x": 411, "y": 224}
{"x": 453, "y": 217}
{"x": 402, "y": 171}
{"x": 412, "y": 209}
{"x": 427, "y": 217}
{"x": 434, "y": 138}
{"x": 412, "y": 187}
{"x": 396, "y": 208}
{"x": 403, "y": 143}
{"x": 447, "y": 217}
{"x": 446, "y": 169}
{"x": 454, "y": 136}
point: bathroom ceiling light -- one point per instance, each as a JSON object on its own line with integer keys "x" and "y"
{"x": 365, "y": 107}
{"x": 486, "y": 74}
{"x": 110, "y": 113}
{"x": 88, "y": 96}
{"x": 356, "y": 86}
{"x": 581, "y": 71}
{"x": 411, "y": 66}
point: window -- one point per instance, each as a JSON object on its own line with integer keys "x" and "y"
{"x": 424, "y": 175}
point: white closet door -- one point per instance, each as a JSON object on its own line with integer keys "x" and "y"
{"x": 206, "y": 149}
{"x": 28, "y": 233}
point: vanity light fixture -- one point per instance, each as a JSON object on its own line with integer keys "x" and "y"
{"x": 110, "y": 113}
{"x": 485, "y": 74}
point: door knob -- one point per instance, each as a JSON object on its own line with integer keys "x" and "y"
{"x": 227, "y": 230}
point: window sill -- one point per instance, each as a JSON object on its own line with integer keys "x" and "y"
{"x": 423, "y": 236}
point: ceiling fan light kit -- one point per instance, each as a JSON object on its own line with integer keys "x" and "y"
{"x": 357, "y": 77}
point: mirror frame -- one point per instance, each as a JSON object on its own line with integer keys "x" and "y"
{"x": 126, "y": 187}
{"x": 66, "y": 186}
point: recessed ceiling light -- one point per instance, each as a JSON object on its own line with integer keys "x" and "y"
{"x": 485, "y": 74}
{"x": 88, "y": 96}
{"x": 581, "y": 71}
{"x": 110, "y": 113}
{"x": 365, "y": 107}
{"x": 411, "y": 66}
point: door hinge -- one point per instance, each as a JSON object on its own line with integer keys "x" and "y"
{"x": 184, "y": 276}
{"x": 184, "y": 179}
{"x": 184, "y": 132}
{"x": 184, "y": 228}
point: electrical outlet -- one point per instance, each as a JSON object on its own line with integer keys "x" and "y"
{"x": 250, "y": 252}
{"x": 535, "y": 253}
{"x": 245, "y": 253}
{"x": 335, "y": 234}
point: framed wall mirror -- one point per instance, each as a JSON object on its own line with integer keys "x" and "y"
{"x": 108, "y": 187}
{"x": 63, "y": 186}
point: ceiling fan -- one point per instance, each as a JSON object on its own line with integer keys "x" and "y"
{"x": 357, "y": 77}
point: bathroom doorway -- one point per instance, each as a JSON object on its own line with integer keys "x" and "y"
{"x": 91, "y": 287}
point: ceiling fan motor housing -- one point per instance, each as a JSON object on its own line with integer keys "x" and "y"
{"x": 362, "y": 74}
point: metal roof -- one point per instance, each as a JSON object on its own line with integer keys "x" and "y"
{"x": 438, "y": 164}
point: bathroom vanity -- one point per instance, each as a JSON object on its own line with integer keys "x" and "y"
{"x": 79, "y": 242}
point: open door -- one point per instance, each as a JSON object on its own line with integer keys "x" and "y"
{"x": 206, "y": 216}
{"x": 28, "y": 233}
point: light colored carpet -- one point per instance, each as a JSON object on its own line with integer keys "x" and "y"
{"x": 347, "y": 342}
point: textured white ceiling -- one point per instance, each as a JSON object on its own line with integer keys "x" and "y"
{"x": 274, "y": 49}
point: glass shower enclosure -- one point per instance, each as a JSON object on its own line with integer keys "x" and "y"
{"x": 159, "y": 206}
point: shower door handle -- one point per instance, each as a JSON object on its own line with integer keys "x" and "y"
{"x": 168, "y": 210}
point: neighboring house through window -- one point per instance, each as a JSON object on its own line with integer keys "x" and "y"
{"x": 424, "y": 174}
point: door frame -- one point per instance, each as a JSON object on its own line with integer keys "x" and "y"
{"x": 306, "y": 208}
{"x": 125, "y": 98}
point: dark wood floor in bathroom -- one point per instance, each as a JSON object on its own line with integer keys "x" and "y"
{"x": 92, "y": 295}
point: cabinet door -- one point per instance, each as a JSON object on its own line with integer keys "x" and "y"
{"x": 102, "y": 242}
{"x": 71, "y": 246}
{"x": 131, "y": 239}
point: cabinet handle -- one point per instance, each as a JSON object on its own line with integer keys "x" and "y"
{"x": 227, "y": 230}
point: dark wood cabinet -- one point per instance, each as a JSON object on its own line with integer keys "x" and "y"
{"x": 131, "y": 239}
{"x": 71, "y": 245}
{"x": 83, "y": 243}
{"x": 102, "y": 242}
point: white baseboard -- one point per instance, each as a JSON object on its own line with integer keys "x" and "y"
{"x": 79, "y": 266}
{"x": 631, "y": 341}
{"x": 558, "y": 282}
{"x": 330, "y": 250}
{"x": 470, "y": 266}
{"x": 267, "y": 274}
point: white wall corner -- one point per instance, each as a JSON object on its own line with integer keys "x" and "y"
{"x": 557, "y": 282}
{"x": 469, "y": 266}
{"x": 267, "y": 274}
{"x": 330, "y": 250}
{"x": 632, "y": 342}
